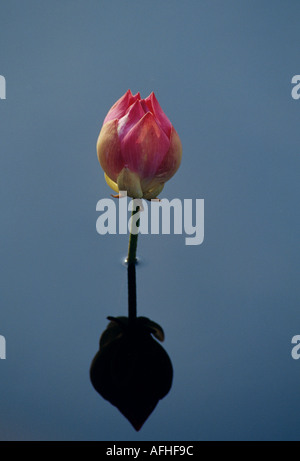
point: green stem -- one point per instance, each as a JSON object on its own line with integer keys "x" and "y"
{"x": 131, "y": 262}
{"x": 133, "y": 238}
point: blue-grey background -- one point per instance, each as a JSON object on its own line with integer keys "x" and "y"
{"x": 222, "y": 73}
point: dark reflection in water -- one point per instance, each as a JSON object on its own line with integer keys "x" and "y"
{"x": 131, "y": 369}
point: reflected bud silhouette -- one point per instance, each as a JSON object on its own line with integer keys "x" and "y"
{"x": 131, "y": 369}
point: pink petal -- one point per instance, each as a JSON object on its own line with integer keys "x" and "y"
{"x": 144, "y": 147}
{"x": 127, "y": 122}
{"x": 145, "y": 106}
{"x": 120, "y": 108}
{"x": 171, "y": 160}
{"x": 159, "y": 114}
{"x": 109, "y": 150}
{"x": 137, "y": 96}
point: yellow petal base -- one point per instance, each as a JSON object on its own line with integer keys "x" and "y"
{"x": 130, "y": 182}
